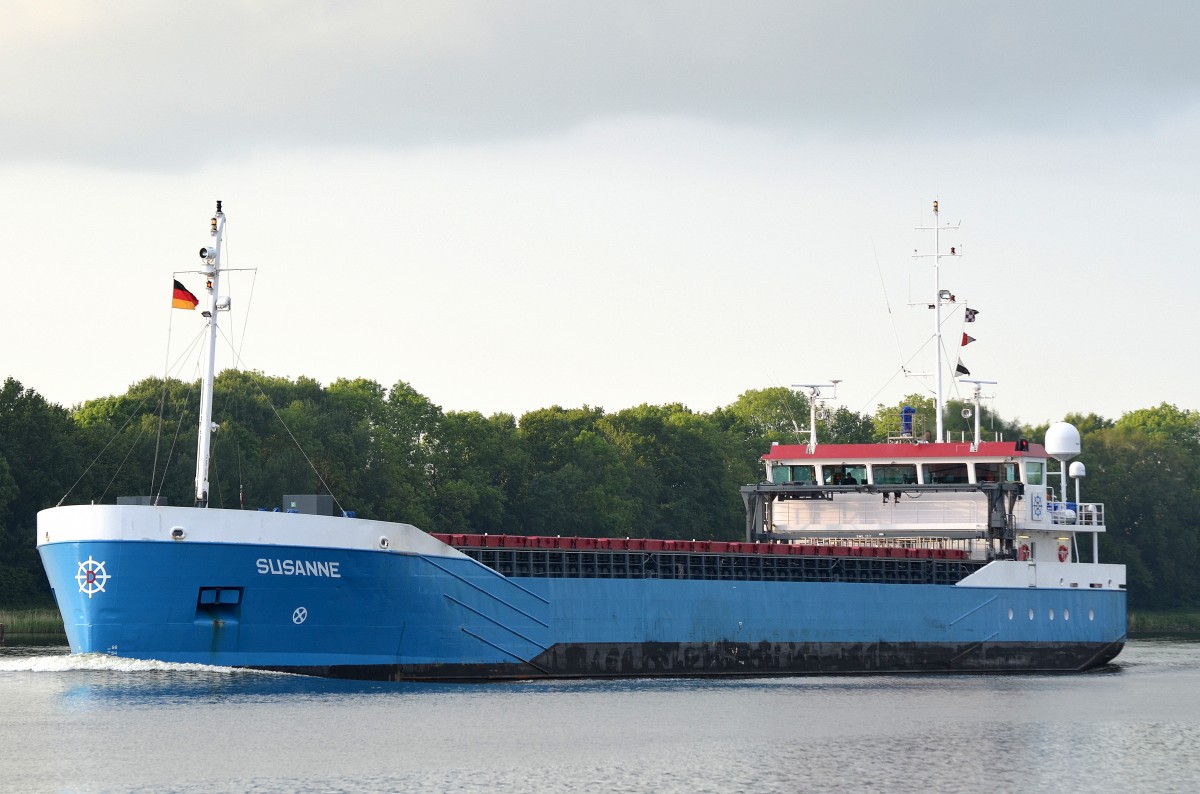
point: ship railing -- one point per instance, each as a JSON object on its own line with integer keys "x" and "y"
{"x": 968, "y": 546}
{"x": 904, "y": 430}
{"x": 1086, "y": 514}
{"x": 936, "y": 547}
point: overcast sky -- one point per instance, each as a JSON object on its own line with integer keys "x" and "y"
{"x": 515, "y": 205}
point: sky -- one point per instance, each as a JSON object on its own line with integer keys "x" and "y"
{"x": 513, "y": 205}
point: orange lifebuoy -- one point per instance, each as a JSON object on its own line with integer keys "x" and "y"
{"x": 1063, "y": 553}
{"x": 1023, "y": 553}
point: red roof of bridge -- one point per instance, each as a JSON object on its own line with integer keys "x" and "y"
{"x": 891, "y": 452}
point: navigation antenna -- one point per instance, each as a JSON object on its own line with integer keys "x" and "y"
{"x": 816, "y": 408}
{"x": 977, "y": 399}
{"x": 941, "y": 296}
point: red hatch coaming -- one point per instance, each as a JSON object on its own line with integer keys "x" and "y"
{"x": 894, "y": 452}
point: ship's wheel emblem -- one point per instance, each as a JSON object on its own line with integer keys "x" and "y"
{"x": 300, "y": 615}
{"x": 92, "y": 577}
{"x": 1037, "y": 506}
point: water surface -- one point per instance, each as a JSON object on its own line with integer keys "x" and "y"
{"x": 94, "y": 723}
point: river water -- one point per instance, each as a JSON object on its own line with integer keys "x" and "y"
{"x": 95, "y": 724}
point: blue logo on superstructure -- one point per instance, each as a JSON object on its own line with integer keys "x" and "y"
{"x": 1037, "y": 507}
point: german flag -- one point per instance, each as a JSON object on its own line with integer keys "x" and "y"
{"x": 182, "y": 299}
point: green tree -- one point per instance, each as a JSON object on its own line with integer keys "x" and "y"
{"x": 844, "y": 426}
{"x": 579, "y": 481}
{"x": 38, "y": 453}
{"x": 1167, "y": 422}
{"x": 681, "y": 484}
{"x": 410, "y": 451}
{"x": 1145, "y": 467}
{"x": 761, "y": 416}
{"x": 480, "y": 471}
{"x": 754, "y": 421}
{"x": 1148, "y": 485}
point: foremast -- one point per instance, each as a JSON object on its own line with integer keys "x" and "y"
{"x": 211, "y": 255}
{"x": 940, "y": 296}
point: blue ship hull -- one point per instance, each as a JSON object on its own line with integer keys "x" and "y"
{"x": 362, "y": 614}
{"x": 321, "y": 594}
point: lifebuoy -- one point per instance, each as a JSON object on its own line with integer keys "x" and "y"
{"x": 1023, "y": 552}
{"x": 1063, "y": 553}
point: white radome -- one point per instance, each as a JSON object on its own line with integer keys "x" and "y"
{"x": 1062, "y": 441}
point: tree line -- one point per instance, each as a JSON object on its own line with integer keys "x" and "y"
{"x": 661, "y": 471}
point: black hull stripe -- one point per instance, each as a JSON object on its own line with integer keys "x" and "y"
{"x": 730, "y": 659}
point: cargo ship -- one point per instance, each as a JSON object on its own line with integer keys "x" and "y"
{"x": 911, "y": 556}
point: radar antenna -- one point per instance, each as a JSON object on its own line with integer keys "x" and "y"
{"x": 815, "y": 406}
{"x": 977, "y": 399}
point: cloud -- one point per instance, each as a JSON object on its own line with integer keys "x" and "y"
{"x": 167, "y": 86}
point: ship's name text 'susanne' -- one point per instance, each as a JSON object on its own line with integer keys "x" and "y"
{"x": 299, "y": 568}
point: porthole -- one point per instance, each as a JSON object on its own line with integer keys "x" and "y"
{"x": 1010, "y": 613}
{"x": 1052, "y": 614}
{"x": 1031, "y": 613}
{"x": 1091, "y": 614}
{"x": 1066, "y": 614}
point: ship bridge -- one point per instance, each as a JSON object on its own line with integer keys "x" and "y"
{"x": 990, "y": 499}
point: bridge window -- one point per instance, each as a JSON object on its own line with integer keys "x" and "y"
{"x": 997, "y": 472}
{"x": 804, "y": 474}
{"x": 1034, "y": 471}
{"x": 845, "y": 474}
{"x": 894, "y": 473}
{"x": 944, "y": 473}
{"x": 800, "y": 474}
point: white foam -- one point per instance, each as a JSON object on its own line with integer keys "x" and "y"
{"x": 62, "y": 663}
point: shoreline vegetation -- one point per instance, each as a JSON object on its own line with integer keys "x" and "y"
{"x": 1166, "y": 621}
{"x": 31, "y": 623}
{"x": 23, "y": 623}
